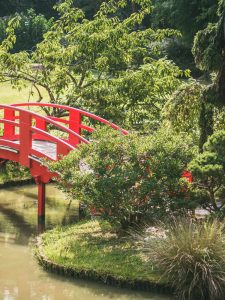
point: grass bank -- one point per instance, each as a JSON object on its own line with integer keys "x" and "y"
{"x": 9, "y": 95}
{"x": 94, "y": 250}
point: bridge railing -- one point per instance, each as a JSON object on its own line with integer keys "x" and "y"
{"x": 21, "y": 127}
{"x": 74, "y": 120}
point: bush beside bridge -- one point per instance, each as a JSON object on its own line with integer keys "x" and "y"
{"x": 132, "y": 177}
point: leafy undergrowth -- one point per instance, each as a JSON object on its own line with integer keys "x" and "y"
{"x": 13, "y": 172}
{"x": 95, "y": 246}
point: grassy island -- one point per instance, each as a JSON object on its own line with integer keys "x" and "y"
{"x": 94, "y": 250}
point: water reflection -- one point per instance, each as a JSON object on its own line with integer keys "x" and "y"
{"x": 20, "y": 276}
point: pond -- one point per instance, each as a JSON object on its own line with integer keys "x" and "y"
{"x": 20, "y": 275}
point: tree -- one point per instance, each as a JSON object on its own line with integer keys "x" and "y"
{"x": 130, "y": 177}
{"x": 182, "y": 110}
{"x": 90, "y": 8}
{"x": 209, "y": 55}
{"x": 187, "y": 111}
{"x": 208, "y": 50}
{"x": 30, "y": 32}
{"x": 45, "y": 7}
{"x": 208, "y": 170}
{"x": 90, "y": 62}
{"x": 188, "y": 17}
{"x": 10, "y": 7}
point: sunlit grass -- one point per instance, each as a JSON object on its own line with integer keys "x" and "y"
{"x": 95, "y": 246}
{"x": 9, "y": 95}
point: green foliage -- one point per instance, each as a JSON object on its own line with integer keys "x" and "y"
{"x": 108, "y": 65}
{"x": 187, "y": 111}
{"x": 186, "y": 16}
{"x": 137, "y": 97}
{"x": 208, "y": 170}
{"x": 90, "y": 8}
{"x": 10, "y": 7}
{"x": 183, "y": 108}
{"x": 11, "y": 171}
{"x": 192, "y": 258}
{"x": 179, "y": 51}
{"x": 29, "y": 33}
{"x": 208, "y": 50}
{"x": 129, "y": 176}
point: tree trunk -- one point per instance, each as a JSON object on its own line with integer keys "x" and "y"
{"x": 213, "y": 200}
{"x": 205, "y": 124}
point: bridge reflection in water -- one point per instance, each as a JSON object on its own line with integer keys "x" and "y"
{"x": 18, "y": 211}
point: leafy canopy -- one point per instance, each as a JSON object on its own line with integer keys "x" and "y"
{"x": 109, "y": 65}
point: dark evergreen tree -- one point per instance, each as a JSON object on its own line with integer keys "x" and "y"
{"x": 209, "y": 53}
{"x": 188, "y": 17}
{"x": 11, "y": 7}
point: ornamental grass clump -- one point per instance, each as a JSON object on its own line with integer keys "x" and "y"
{"x": 192, "y": 258}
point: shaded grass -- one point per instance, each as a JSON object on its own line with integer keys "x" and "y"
{"x": 95, "y": 246}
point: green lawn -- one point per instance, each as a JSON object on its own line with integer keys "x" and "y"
{"x": 8, "y": 95}
{"x": 95, "y": 246}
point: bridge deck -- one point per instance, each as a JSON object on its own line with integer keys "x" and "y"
{"x": 45, "y": 147}
{"x": 48, "y": 148}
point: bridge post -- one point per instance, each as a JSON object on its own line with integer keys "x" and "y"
{"x": 25, "y": 138}
{"x": 9, "y": 130}
{"x": 41, "y": 200}
{"x": 74, "y": 124}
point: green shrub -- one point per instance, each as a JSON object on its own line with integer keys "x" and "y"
{"x": 192, "y": 258}
{"x": 208, "y": 170}
{"x": 12, "y": 171}
{"x": 131, "y": 177}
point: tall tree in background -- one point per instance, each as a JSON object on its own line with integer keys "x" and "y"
{"x": 209, "y": 53}
{"x": 30, "y": 32}
{"x": 104, "y": 65}
{"x": 188, "y": 17}
{"x": 11, "y": 7}
{"x": 45, "y": 7}
{"x": 199, "y": 106}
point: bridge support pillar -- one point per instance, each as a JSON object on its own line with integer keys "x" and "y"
{"x": 41, "y": 200}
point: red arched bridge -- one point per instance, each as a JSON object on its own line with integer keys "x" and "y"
{"x": 27, "y": 136}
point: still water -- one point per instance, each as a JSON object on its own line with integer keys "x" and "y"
{"x": 21, "y": 278}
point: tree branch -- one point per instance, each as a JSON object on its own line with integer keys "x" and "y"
{"x": 72, "y": 78}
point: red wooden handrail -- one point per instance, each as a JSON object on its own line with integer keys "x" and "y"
{"x": 73, "y": 110}
{"x": 14, "y": 108}
{"x": 50, "y": 138}
{"x": 22, "y": 127}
